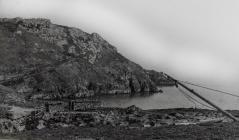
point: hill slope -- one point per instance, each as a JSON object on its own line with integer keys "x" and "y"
{"x": 41, "y": 59}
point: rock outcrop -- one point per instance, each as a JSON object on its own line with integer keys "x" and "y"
{"x": 131, "y": 117}
{"x": 42, "y": 59}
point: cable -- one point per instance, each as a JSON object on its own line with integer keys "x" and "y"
{"x": 197, "y": 85}
{"x": 231, "y": 94}
{"x": 188, "y": 96}
{"x": 199, "y": 102}
{"x": 189, "y": 99}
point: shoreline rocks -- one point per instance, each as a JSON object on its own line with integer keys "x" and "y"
{"x": 130, "y": 117}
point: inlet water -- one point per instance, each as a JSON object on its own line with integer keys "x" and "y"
{"x": 172, "y": 97}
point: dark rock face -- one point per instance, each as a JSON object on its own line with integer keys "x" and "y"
{"x": 42, "y": 59}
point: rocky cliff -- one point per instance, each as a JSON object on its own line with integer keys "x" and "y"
{"x": 42, "y": 59}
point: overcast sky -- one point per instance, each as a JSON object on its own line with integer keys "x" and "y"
{"x": 195, "y": 40}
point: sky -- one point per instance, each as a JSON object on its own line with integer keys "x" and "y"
{"x": 192, "y": 40}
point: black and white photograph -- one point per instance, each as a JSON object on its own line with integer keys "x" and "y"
{"x": 119, "y": 70}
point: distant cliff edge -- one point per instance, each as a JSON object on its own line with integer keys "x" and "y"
{"x": 39, "y": 59}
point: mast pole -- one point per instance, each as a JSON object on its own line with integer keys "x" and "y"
{"x": 204, "y": 99}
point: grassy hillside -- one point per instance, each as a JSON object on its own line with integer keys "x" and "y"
{"x": 41, "y": 59}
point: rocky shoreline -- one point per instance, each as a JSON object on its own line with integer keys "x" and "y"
{"x": 112, "y": 123}
{"x": 131, "y": 117}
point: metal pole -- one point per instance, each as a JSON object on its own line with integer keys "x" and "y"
{"x": 204, "y": 99}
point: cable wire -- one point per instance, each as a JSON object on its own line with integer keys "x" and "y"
{"x": 189, "y": 99}
{"x": 188, "y": 96}
{"x": 216, "y": 90}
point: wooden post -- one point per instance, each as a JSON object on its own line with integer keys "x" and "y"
{"x": 204, "y": 99}
{"x": 71, "y": 105}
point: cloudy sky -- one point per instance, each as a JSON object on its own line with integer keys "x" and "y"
{"x": 194, "y": 40}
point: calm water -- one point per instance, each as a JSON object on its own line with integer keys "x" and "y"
{"x": 172, "y": 97}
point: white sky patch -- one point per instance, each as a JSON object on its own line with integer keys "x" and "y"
{"x": 191, "y": 39}
{"x": 121, "y": 31}
{"x": 201, "y": 64}
{"x": 115, "y": 27}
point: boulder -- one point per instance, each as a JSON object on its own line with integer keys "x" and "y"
{"x": 7, "y": 126}
{"x": 133, "y": 110}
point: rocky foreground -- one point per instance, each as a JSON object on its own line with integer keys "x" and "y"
{"x": 120, "y": 123}
{"x": 217, "y": 131}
